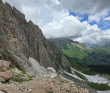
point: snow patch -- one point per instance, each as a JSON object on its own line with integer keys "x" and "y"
{"x": 103, "y": 91}
{"x": 73, "y": 75}
{"x": 40, "y": 70}
{"x": 2, "y": 92}
{"x": 69, "y": 46}
{"x": 65, "y": 79}
{"x": 73, "y": 45}
{"x": 93, "y": 78}
{"x": 36, "y": 66}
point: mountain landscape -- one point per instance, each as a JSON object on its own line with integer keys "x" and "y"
{"x": 89, "y": 60}
{"x": 20, "y": 39}
{"x": 72, "y": 48}
{"x": 102, "y": 48}
{"x": 31, "y": 63}
{"x": 96, "y": 58}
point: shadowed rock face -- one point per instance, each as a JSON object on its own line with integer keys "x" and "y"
{"x": 20, "y": 39}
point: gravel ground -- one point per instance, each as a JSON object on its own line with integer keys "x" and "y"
{"x": 42, "y": 85}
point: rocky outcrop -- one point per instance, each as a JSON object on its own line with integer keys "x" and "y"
{"x": 20, "y": 40}
{"x": 8, "y": 74}
{"x": 4, "y": 65}
{"x": 5, "y": 73}
{"x": 43, "y": 85}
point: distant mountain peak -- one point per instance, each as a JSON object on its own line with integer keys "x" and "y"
{"x": 69, "y": 41}
{"x": 72, "y": 48}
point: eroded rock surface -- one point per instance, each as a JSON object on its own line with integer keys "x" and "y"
{"x": 5, "y": 73}
{"x": 43, "y": 85}
{"x": 20, "y": 39}
{"x": 4, "y": 65}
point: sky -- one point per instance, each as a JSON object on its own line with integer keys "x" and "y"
{"x": 85, "y": 21}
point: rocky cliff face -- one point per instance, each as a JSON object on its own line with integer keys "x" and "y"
{"x": 20, "y": 39}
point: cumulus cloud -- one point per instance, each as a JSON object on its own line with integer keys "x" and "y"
{"x": 69, "y": 26}
{"x": 94, "y": 8}
{"x": 87, "y": 6}
{"x": 94, "y": 18}
{"x": 55, "y": 21}
{"x": 107, "y": 18}
{"x": 96, "y": 38}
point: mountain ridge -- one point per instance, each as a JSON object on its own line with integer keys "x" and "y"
{"x": 72, "y": 48}
{"x": 23, "y": 44}
{"x": 20, "y": 40}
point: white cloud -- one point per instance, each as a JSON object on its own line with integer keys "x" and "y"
{"x": 94, "y": 18}
{"x": 96, "y": 9}
{"x": 56, "y": 2}
{"x": 39, "y": 11}
{"x": 55, "y": 21}
{"x": 96, "y": 38}
{"x": 69, "y": 26}
{"x": 107, "y": 18}
{"x": 79, "y": 18}
{"x": 87, "y": 6}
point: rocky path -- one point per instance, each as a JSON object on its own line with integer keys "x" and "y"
{"x": 42, "y": 85}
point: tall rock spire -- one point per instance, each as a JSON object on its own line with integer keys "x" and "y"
{"x": 20, "y": 39}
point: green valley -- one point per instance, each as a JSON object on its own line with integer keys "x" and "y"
{"x": 72, "y": 48}
{"x": 85, "y": 59}
{"x": 102, "y": 49}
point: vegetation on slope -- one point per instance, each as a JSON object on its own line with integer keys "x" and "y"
{"x": 101, "y": 87}
{"x": 102, "y": 49}
{"x": 97, "y": 58}
{"x": 79, "y": 66}
{"x": 98, "y": 62}
{"x": 72, "y": 48}
{"x": 73, "y": 51}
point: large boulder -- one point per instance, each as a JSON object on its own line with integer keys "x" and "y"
{"x": 4, "y": 65}
{"x": 5, "y": 73}
{"x": 51, "y": 72}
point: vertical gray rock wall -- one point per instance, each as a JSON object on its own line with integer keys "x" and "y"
{"x": 20, "y": 39}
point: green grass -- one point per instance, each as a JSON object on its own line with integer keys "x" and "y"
{"x": 62, "y": 80}
{"x": 101, "y": 87}
{"x": 79, "y": 66}
{"x": 80, "y": 75}
{"x": 50, "y": 92}
{"x": 102, "y": 49}
{"x": 75, "y": 52}
{"x": 21, "y": 78}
